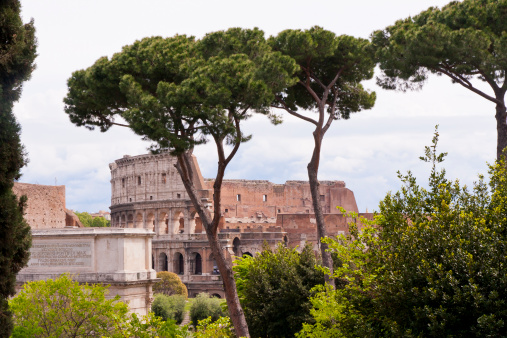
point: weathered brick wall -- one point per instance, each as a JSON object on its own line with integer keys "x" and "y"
{"x": 45, "y": 206}
{"x": 265, "y": 200}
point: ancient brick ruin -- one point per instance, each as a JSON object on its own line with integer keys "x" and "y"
{"x": 147, "y": 192}
{"x": 46, "y": 206}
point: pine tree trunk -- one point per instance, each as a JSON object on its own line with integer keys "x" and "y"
{"x": 210, "y": 224}
{"x": 313, "y": 170}
{"x": 501, "y": 128}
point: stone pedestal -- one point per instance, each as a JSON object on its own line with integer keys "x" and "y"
{"x": 117, "y": 257}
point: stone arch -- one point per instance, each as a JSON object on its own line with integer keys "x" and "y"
{"x": 150, "y": 221}
{"x": 198, "y": 225}
{"x": 130, "y": 221}
{"x": 178, "y": 263}
{"x": 247, "y": 254}
{"x": 196, "y": 263}
{"x": 213, "y": 265}
{"x": 192, "y": 223}
{"x": 123, "y": 221}
{"x": 139, "y": 221}
{"x": 235, "y": 247}
{"x": 163, "y": 263}
{"x": 163, "y": 223}
{"x": 117, "y": 221}
{"x": 178, "y": 222}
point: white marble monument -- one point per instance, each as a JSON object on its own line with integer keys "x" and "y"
{"x": 117, "y": 257}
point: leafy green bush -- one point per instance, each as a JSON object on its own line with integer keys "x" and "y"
{"x": 434, "y": 265}
{"x": 206, "y": 328}
{"x": 205, "y": 306}
{"x": 170, "y": 284}
{"x": 63, "y": 308}
{"x": 274, "y": 287}
{"x": 169, "y": 307}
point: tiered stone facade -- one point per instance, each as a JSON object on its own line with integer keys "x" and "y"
{"x": 147, "y": 192}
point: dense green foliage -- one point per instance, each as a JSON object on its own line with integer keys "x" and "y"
{"x": 89, "y": 221}
{"x": 435, "y": 265}
{"x": 205, "y": 306}
{"x": 331, "y": 69}
{"x": 176, "y": 91}
{"x": 466, "y": 41}
{"x": 17, "y": 55}
{"x": 63, "y": 308}
{"x": 169, "y": 307}
{"x": 207, "y": 328}
{"x": 170, "y": 284}
{"x": 274, "y": 287}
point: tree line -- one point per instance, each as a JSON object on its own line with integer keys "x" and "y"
{"x": 180, "y": 92}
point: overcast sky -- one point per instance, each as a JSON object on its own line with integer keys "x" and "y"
{"x": 365, "y": 151}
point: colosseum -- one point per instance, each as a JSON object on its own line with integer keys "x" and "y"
{"x": 147, "y": 192}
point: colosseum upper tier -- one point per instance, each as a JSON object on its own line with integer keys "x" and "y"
{"x": 147, "y": 192}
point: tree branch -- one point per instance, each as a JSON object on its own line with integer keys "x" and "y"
{"x": 290, "y": 111}
{"x": 332, "y": 114}
{"x": 465, "y": 83}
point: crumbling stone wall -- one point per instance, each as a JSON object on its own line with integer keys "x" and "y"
{"x": 45, "y": 206}
{"x": 263, "y": 200}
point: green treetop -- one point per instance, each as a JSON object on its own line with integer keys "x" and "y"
{"x": 466, "y": 41}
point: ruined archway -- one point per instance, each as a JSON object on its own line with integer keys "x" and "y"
{"x": 235, "y": 247}
{"x": 196, "y": 264}
{"x": 150, "y": 221}
{"x": 163, "y": 222}
{"x": 130, "y": 221}
{"x": 139, "y": 221}
{"x": 178, "y": 222}
{"x": 178, "y": 264}
{"x": 163, "y": 262}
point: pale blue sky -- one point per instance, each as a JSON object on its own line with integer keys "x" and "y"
{"x": 365, "y": 151}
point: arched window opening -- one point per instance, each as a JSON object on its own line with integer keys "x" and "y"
{"x": 163, "y": 263}
{"x": 196, "y": 264}
{"x": 178, "y": 264}
{"x": 235, "y": 247}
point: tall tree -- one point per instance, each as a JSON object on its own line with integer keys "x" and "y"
{"x": 329, "y": 84}
{"x": 466, "y": 41}
{"x": 180, "y": 92}
{"x": 17, "y": 55}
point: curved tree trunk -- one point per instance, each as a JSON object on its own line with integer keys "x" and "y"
{"x": 184, "y": 167}
{"x": 501, "y": 128}
{"x": 313, "y": 170}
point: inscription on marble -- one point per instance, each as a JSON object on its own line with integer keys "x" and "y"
{"x": 75, "y": 254}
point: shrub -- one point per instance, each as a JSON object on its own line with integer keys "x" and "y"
{"x": 169, "y": 307}
{"x": 274, "y": 287}
{"x": 206, "y": 328}
{"x": 170, "y": 284}
{"x": 205, "y": 306}
{"x": 433, "y": 266}
{"x": 63, "y": 308}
